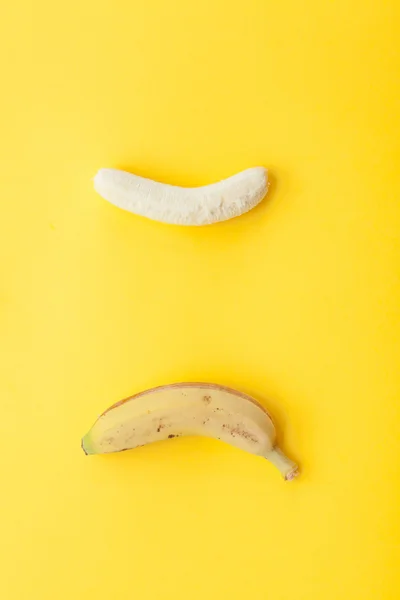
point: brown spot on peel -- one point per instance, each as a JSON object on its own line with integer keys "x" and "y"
{"x": 239, "y": 431}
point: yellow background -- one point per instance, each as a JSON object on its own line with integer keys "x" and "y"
{"x": 296, "y": 302}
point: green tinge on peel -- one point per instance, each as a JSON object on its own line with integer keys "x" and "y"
{"x": 87, "y": 445}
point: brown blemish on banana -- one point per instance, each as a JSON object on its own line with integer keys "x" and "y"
{"x": 161, "y": 424}
{"x": 239, "y": 431}
{"x": 206, "y": 399}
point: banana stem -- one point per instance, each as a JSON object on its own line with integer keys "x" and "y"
{"x": 287, "y": 467}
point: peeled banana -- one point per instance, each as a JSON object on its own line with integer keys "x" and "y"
{"x": 183, "y": 206}
{"x": 184, "y": 409}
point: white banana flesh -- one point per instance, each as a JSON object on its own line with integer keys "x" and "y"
{"x": 183, "y": 206}
{"x": 187, "y": 409}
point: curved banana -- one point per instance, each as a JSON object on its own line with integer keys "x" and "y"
{"x": 182, "y": 409}
{"x": 183, "y": 206}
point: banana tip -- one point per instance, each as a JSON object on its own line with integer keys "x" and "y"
{"x": 292, "y": 474}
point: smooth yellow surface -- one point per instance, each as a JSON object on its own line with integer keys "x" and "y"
{"x": 296, "y": 302}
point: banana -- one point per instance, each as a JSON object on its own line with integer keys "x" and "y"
{"x": 183, "y": 206}
{"x": 183, "y": 409}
